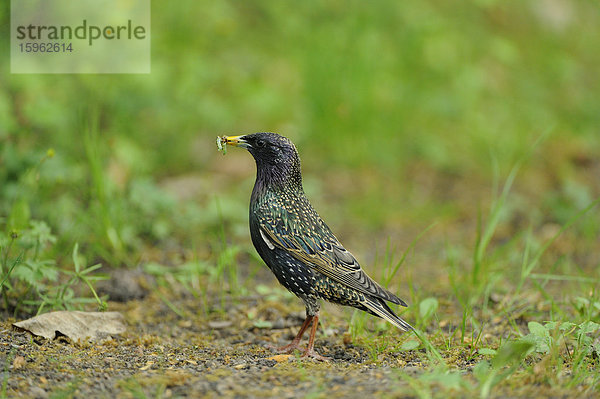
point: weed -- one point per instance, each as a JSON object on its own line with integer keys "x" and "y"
{"x": 29, "y": 270}
{"x": 31, "y": 280}
{"x": 504, "y": 363}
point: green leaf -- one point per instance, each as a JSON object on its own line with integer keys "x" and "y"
{"x": 588, "y": 327}
{"x": 447, "y": 379}
{"x": 157, "y": 269}
{"x": 487, "y": 351}
{"x": 482, "y": 370}
{"x": 409, "y": 345}
{"x": 19, "y": 215}
{"x": 91, "y": 269}
{"x": 75, "y": 257}
{"x": 25, "y": 273}
{"x": 428, "y": 307}
{"x": 511, "y": 353}
{"x": 567, "y": 325}
{"x": 537, "y": 329}
{"x": 263, "y": 324}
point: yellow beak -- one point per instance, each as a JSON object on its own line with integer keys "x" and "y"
{"x": 235, "y": 141}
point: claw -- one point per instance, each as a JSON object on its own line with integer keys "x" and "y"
{"x": 289, "y": 348}
{"x": 314, "y": 355}
{"x": 309, "y": 351}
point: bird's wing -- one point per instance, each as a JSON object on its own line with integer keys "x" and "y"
{"x": 307, "y": 238}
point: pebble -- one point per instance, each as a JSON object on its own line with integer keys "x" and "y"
{"x": 38, "y": 393}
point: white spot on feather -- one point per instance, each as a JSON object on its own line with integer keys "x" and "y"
{"x": 266, "y": 240}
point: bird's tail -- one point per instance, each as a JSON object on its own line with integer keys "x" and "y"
{"x": 379, "y": 308}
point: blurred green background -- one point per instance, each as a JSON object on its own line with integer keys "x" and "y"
{"x": 405, "y": 114}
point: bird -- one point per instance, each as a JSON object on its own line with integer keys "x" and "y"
{"x": 299, "y": 248}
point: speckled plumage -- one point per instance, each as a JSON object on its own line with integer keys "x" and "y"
{"x": 298, "y": 246}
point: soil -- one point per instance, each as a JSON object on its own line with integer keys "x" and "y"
{"x": 219, "y": 354}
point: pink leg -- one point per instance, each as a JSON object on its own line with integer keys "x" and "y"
{"x": 310, "y": 350}
{"x": 292, "y": 346}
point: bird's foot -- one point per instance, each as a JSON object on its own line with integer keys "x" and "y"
{"x": 307, "y": 353}
{"x": 311, "y": 353}
{"x": 289, "y": 348}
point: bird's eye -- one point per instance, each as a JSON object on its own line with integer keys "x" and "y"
{"x": 260, "y": 143}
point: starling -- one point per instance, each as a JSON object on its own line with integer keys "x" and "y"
{"x": 298, "y": 246}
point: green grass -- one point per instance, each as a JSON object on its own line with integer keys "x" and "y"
{"x": 452, "y": 147}
{"x": 565, "y": 337}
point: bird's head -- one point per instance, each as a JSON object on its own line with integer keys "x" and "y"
{"x": 277, "y": 161}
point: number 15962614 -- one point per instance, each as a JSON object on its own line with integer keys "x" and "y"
{"x": 45, "y": 47}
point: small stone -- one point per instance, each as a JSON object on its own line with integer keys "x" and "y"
{"x": 219, "y": 324}
{"x": 279, "y": 324}
{"x": 280, "y": 358}
{"x": 38, "y": 393}
{"x": 18, "y": 362}
{"x": 124, "y": 285}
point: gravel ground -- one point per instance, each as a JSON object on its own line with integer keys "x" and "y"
{"x": 177, "y": 345}
{"x": 220, "y": 355}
